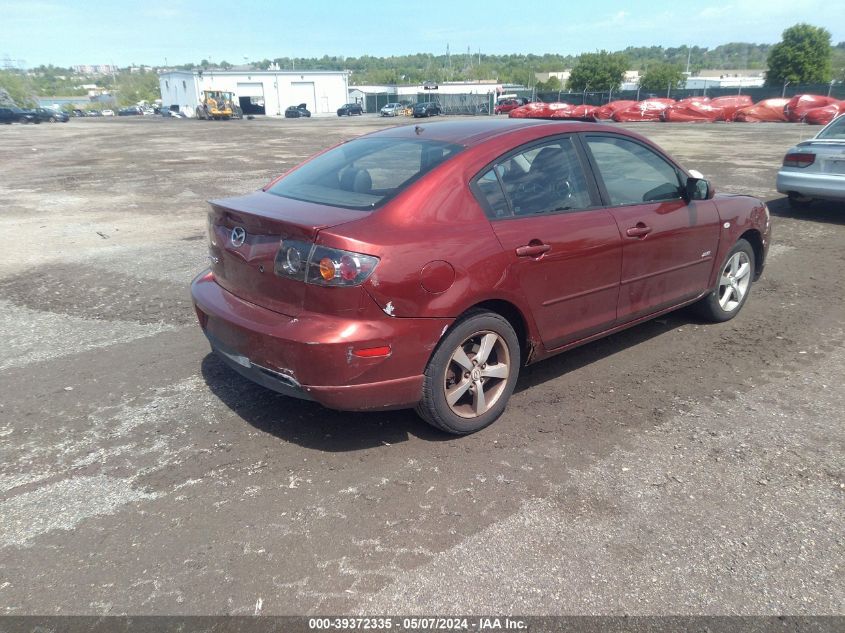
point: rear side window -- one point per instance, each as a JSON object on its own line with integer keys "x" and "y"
{"x": 363, "y": 173}
{"x": 545, "y": 178}
{"x": 632, "y": 173}
{"x": 835, "y": 130}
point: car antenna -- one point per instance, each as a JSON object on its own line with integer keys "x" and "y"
{"x": 418, "y": 129}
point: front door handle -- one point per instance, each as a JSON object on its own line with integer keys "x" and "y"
{"x": 533, "y": 250}
{"x": 641, "y": 230}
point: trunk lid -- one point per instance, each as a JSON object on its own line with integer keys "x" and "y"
{"x": 245, "y": 233}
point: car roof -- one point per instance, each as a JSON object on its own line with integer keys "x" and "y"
{"x": 477, "y": 130}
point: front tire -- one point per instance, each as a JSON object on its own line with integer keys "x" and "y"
{"x": 732, "y": 287}
{"x": 471, "y": 375}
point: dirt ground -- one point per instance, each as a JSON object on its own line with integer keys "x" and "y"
{"x": 677, "y": 467}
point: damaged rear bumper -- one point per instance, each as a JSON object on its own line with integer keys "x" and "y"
{"x": 312, "y": 357}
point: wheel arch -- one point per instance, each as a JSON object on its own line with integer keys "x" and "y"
{"x": 517, "y": 320}
{"x": 754, "y": 237}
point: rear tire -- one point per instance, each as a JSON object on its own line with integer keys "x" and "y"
{"x": 471, "y": 375}
{"x": 733, "y": 285}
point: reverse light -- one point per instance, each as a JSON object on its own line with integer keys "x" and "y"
{"x": 291, "y": 259}
{"x": 799, "y": 159}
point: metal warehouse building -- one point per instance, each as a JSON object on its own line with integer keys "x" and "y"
{"x": 258, "y": 91}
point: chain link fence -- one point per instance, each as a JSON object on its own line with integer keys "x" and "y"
{"x": 598, "y": 98}
{"x": 483, "y": 104}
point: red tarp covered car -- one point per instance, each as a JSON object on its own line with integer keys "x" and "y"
{"x": 606, "y": 111}
{"x": 730, "y": 105}
{"x": 691, "y": 112}
{"x": 543, "y": 111}
{"x": 767, "y": 110}
{"x": 799, "y": 105}
{"x": 647, "y": 110}
{"x": 706, "y": 110}
{"x": 825, "y": 114}
{"x": 584, "y": 112}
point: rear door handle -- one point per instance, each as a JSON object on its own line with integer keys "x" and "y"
{"x": 532, "y": 250}
{"x": 641, "y": 230}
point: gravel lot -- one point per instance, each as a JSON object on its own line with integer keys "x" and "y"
{"x": 676, "y": 468}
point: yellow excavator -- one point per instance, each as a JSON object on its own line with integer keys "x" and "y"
{"x": 217, "y": 104}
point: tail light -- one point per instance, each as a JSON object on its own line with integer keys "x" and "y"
{"x": 799, "y": 159}
{"x": 323, "y": 266}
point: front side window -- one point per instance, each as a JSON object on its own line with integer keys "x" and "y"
{"x": 632, "y": 173}
{"x": 363, "y": 173}
{"x": 543, "y": 179}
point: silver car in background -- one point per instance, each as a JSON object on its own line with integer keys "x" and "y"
{"x": 815, "y": 169}
{"x": 391, "y": 109}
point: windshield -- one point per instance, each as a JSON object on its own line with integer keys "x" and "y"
{"x": 834, "y": 131}
{"x": 363, "y": 173}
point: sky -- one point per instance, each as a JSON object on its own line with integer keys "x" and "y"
{"x": 156, "y": 32}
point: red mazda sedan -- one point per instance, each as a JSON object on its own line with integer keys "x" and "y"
{"x": 422, "y": 266}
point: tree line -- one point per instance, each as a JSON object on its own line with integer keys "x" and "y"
{"x": 803, "y": 56}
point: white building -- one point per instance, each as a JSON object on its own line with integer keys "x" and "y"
{"x": 358, "y": 93}
{"x": 258, "y": 91}
{"x": 561, "y": 75}
{"x": 727, "y": 79}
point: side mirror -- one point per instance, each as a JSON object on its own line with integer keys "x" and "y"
{"x": 699, "y": 189}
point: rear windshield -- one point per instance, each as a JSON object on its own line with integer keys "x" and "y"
{"x": 835, "y": 130}
{"x": 363, "y": 173}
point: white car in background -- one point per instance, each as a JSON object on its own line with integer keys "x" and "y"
{"x": 107, "y": 113}
{"x": 815, "y": 169}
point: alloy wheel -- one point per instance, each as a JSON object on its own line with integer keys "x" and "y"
{"x": 477, "y": 374}
{"x": 734, "y": 282}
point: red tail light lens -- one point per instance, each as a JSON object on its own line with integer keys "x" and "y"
{"x": 796, "y": 159}
{"x": 349, "y": 268}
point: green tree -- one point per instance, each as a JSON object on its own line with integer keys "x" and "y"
{"x": 658, "y": 77}
{"x": 134, "y": 87}
{"x": 600, "y": 71}
{"x": 802, "y": 56}
{"x": 19, "y": 88}
{"x": 552, "y": 85}
{"x": 838, "y": 61}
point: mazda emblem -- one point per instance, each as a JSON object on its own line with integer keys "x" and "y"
{"x": 237, "y": 237}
